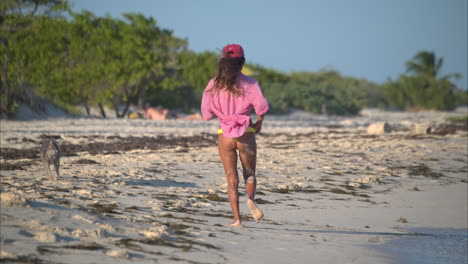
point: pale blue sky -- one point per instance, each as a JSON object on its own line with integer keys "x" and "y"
{"x": 369, "y": 39}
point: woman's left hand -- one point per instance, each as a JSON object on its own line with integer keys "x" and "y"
{"x": 258, "y": 127}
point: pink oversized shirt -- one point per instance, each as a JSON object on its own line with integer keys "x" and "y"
{"x": 234, "y": 111}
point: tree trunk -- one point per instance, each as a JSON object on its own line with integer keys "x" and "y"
{"x": 103, "y": 113}
{"x": 191, "y": 98}
{"x": 5, "y": 82}
{"x": 142, "y": 97}
{"x": 86, "y": 106}
{"x": 127, "y": 102}
{"x": 127, "y": 106}
{"x": 116, "y": 109}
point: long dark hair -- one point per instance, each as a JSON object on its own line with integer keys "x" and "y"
{"x": 228, "y": 71}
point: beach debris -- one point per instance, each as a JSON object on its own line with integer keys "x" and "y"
{"x": 154, "y": 232}
{"x": 294, "y": 187}
{"x": 215, "y": 197}
{"x": 13, "y": 199}
{"x": 402, "y": 220}
{"x": 99, "y": 233}
{"x": 379, "y": 128}
{"x": 94, "y": 233}
{"x": 46, "y": 237}
{"x": 262, "y": 201}
{"x": 422, "y": 129}
{"x": 338, "y": 191}
{"x": 423, "y": 170}
{"x": 101, "y": 208}
{"x": 373, "y": 179}
{"x": 356, "y": 184}
{"x": 83, "y": 246}
{"x": 50, "y": 154}
{"x": 83, "y": 192}
{"x": 445, "y": 129}
{"x": 4, "y": 255}
{"x": 183, "y": 203}
{"x": 6, "y": 166}
{"x": 118, "y": 253}
{"x": 85, "y": 161}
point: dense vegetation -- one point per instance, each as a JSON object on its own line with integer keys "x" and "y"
{"x": 423, "y": 88}
{"x": 73, "y": 59}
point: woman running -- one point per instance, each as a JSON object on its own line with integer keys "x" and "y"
{"x": 230, "y": 96}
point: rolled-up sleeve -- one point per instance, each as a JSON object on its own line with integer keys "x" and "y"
{"x": 259, "y": 102}
{"x": 207, "y": 113}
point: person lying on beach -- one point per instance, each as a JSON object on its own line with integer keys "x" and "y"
{"x": 195, "y": 116}
{"x": 160, "y": 113}
{"x": 230, "y": 96}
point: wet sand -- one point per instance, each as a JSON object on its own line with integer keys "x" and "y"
{"x": 154, "y": 191}
{"x": 427, "y": 245}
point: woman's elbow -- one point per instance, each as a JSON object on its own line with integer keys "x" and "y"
{"x": 207, "y": 116}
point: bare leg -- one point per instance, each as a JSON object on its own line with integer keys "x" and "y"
{"x": 248, "y": 155}
{"x": 228, "y": 155}
{"x": 57, "y": 168}
{"x": 49, "y": 172}
{"x": 56, "y": 173}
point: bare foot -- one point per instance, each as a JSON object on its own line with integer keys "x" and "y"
{"x": 257, "y": 214}
{"x": 236, "y": 223}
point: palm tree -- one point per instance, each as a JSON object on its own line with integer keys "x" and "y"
{"x": 425, "y": 63}
{"x": 425, "y": 88}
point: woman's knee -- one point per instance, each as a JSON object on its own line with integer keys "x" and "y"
{"x": 233, "y": 183}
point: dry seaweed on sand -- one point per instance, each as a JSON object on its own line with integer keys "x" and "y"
{"x": 13, "y": 153}
{"x": 7, "y": 166}
{"x": 85, "y": 161}
{"x": 341, "y": 191}
{"x": 24, "y": 259}
{"x": 423, "y": 170}
{"x": 215, "y": 197}
{"x": 262, "y": 201}
{"x": 122, "y": 144}
{"x": 184, "y": 244}
{"x": 103, "y": 208}
{"x": 83, "y": 246}
{"x": 184, "y": 219}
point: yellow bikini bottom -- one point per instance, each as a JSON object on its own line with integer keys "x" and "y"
{"x": 249, "y": 130}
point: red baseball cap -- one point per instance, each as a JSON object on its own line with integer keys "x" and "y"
{"x": 236, "y": 49}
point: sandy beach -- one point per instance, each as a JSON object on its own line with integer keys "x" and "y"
{"x": 142, "y": 191}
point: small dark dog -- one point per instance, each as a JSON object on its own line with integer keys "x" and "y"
{"x": 50, "y": 154}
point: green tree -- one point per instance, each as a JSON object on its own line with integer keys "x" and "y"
{"x": 100, "y": 61}
{"x": 422, "y": 87}
{"x": 196, "y": 69}
{"x": 425, "y": 63}
{"x": 16, "y": 18}
{"x": 65, "y": 68}
{"x": 138, "y": 53}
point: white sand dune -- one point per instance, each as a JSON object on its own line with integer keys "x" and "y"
{"x": 326, "y": 188}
